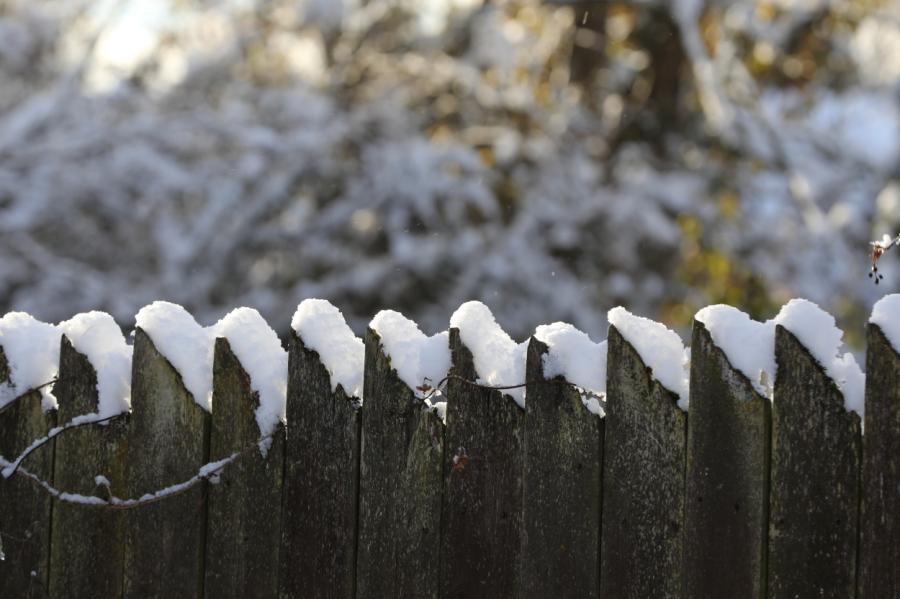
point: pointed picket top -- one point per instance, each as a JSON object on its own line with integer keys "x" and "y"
{"x": 322, "y": 328}
{"x": 571, "y": 354}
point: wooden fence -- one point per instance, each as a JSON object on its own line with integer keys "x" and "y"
{"x": 741, "y": 497}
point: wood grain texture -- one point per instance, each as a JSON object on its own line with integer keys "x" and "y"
{"x": 168, "y": 443}
{"x": 87, "y": 543}
{"x": 400, "y": 485}
{"x": 643, "y": 480}
{"x": 482, "y": 513}
{"x": 726, "y": 519}
{"x": 561, "y": 489}
{"x": 244, "y": 518}
{"x": 25, "y": 510}
{"x": 321, "y": 481}
{"x": 814, "y": 494}
{"x": 879, "y": 573}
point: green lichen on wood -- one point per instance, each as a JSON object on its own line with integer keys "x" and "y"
{"x": 321, "y": 479}
{"x": 87, "y": 542}
{"x": 482, "y": 508}
{"x": 643, "y": 480}
{"x": 168, "y": 443}
{"x": 880, "y": 519}
{"x": 561, "y": 489}
{"x": 400, "y": 485}
{"x": 25, "y": 510}
{"x": 244, "y": 516}
{"x": 726, "y": 519}
{"x": 814, "y": 495}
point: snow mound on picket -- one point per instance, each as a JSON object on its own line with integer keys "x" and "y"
{"x": 31, "y": 348}
{"x": 886, "y": 314}
{"x": 415, "y": 356}
{"x": 259, "y": 351}
{"x": 816, "y": 330}
{"x": 323, "y": 329}
{"x": 748, "y": 344}
{"x": 184, "y": 343}
{"x": 572, "y": 355}
{"x": 499, "y": 361}
{"x": 660, "y": 348}
{"x": 97, "y": 336}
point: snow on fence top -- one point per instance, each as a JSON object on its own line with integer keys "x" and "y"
{"x": 323, "y": 329}
{"x": 32, "y": 354}
{"x": 259, "y": 351}
{"x": 97, "y": 336}
{"x": 499, "y": 361}
{"x": 659, "y": 347}
{"x": 572, "y": 355}
{"x": 415, "y": 356}
{"x": 750, "y": 345}
{"x": 185, "y": 344}
{"x": 886, "y": 314}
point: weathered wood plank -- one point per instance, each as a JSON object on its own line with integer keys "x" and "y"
{"x": 561, "y": 489}
{"x": 643, "y": 480}
{"x": 321, "y": 482}
{"x": 726, "y": 515}
{"x": 168, "y": 443}
{"x": 86, "y": 542}
{"x": 399, "y": 495}
{"x": 244, "y": 518}
{"x": 879, "y": 576}
{"x": 482, "y": 509}
{"x": 814, "y": 493}
{"x": 26, "y": 510}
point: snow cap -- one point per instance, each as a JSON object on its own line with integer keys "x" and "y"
{"x": 499, "y": 361}
{"x": 572, "y": 355}
{"x": 748, "y": 344}
{"x": 323, "y": 329}
{"x": 413, "y": 355}
{"x": 31, "y": 348}
{"x": 886, "y": 314}
{"x": 659, "y": 347}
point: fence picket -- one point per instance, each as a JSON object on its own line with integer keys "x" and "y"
{"x": 814, "y": 492}
{"x": 25, "y": 513}
{"x": 86, "y": 542}
{"x": 321, "y": 480}
{"x": 879, "y": 576}
{"x": 726, "y": 515}
{"x": 399, "y": 494}
{"x": 168, "y": 443}
{"x": 561, "y": 489}
{"x": 244, "y": 530}
{"x": 643, "y": 480}
{"x": 482, "y": 508}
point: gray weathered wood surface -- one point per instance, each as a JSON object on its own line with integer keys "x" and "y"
{"x": 561, "y": 489}
{"x": 25, "y": 511}
{"x": 482, "y": 508}
{"x": 399, "y": 487}
{"x": 244, "y": 518}
{"x": 168, "y": 443}
{"x": 814, "y": 492}
{"x": 643, "y": 480}
{"x": 727, "y": 479}
{"x": 87, "y": 542}
{"x": 879, "y": 576}
{"x": 321, "y": 474}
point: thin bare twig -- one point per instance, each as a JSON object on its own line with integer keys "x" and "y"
{"x": 437, "y": 388}
{"x": 10, "y": 403}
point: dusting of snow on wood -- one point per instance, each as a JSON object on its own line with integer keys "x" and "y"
{"x": 184, "y": 343}
{"x": 32, "y": 353}
{"x": 323, "y": 329}
{"x": 418, "y": 359}
{"x": 886, "y": 314}
{"x": 499, "y": 361}
{"x": 816, "y": 330}
{"x": 659, "y": 347}
{"x": 572, "y": 355}
{"x": 97, "y": 336}
{"x": 259, "y": 351}
{"x": 748, "y": 344}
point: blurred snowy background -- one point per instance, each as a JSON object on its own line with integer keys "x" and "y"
{"x": 551, "y": 159}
